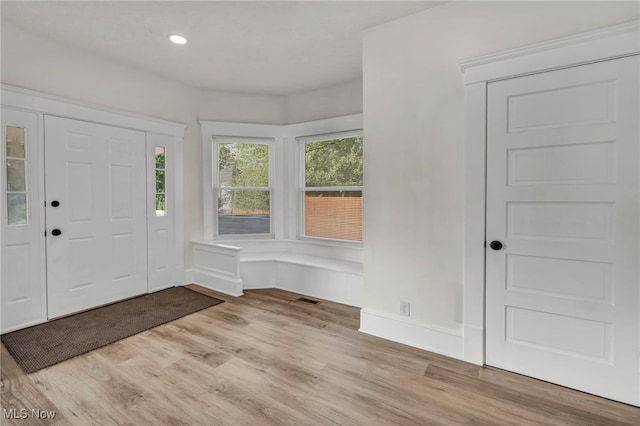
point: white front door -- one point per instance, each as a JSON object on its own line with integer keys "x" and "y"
{"x": 95, "y": 178}
{"x": 563, "y": 199}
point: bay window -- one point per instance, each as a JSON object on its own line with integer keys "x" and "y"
{"x": 290, "y": 182}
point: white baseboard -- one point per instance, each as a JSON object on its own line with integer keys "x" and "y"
{"x": 256, "y": 286}
{"x": 404, "y": 330}
{"x": 227, "y": 285}
{"x": 473, "y": 344}
{"x": 21, "y": 326}
{"x": 180, "y": 276}
{"x": 187, "y": 278}
{"x": 164, "y": 287}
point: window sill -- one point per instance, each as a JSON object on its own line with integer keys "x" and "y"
{"x": 243, "y": 237}
{"x": 330, "y": 242}
{"x": 260, "y": 246}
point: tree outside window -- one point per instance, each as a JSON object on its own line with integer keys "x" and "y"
{"x": 333, "y": 180}
{"x": 244, "y": 194}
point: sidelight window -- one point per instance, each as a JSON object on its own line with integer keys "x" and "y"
{"x": 161, "y": 174}
{"x": 16, "y": 176}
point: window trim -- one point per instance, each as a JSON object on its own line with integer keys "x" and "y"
{"x": 301, "y": 142}
{"x": 165, "y": 212}
{"x": 216, "y": 141}
{"x": 26, "y": 168}
{"x": 285, "y": 214}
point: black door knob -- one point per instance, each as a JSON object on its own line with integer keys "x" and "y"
{"x": 55, "y": 203}
{"x": 56, "y": 232}
{"x": 496, "y": 245}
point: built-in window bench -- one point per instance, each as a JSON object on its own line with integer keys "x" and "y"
{"x": 329, "y": 272}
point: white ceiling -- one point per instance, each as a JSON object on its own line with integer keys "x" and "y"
{"x": 264, "y": 47}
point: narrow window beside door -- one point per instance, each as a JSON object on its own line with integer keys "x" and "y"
{"x": 161, "y": 194}
{"x": 16, "y": 162}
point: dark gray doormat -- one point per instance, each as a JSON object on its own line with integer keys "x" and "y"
{"x": 47, "y": 344}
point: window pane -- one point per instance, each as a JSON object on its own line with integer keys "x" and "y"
{"x": 334, "y": 214}
{"x": 16, "y": 177}
{"x": 336, "y": 162}
{"x": 160, "y": 206}
{"x": 159, "y": 150}
{"x": 244, "y": 212}
{"x": 160, "y": 181}
{"x": 243, "y": 164}
{"x": 17, "y": 209}
{"x": 15, "y": 141}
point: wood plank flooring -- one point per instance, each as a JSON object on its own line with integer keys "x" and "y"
{"x": 268, "y": 359}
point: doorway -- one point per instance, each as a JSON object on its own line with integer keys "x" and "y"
{"x": 96, "y": 220}
{"x": 562, "y": 228}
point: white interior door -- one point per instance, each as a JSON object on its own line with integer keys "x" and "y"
{"x": 563, "y": 199}
{"x": 96, "y": 200}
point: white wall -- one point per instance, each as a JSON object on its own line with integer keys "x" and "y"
{"x": 33, "y": 62}
{"x": 336, "y": 101}
{"x": 244, "y": 108}
{"x": 414, "y": 135}
{"x": 36, "y": 63}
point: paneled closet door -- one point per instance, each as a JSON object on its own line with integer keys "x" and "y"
{"x": 23, "y": 281}
{"x": 96, "y": 214}
{"x": 563, "y": 209}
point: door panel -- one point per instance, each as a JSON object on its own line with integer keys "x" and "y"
{"x": 97, "y": 174}
{"x": 161, "y": 207}
{"x": 563, "y": 196}
{"x": 22, "y": 274}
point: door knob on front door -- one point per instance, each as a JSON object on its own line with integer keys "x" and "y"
{"x": 56, "y": 232}
{"x": 496, "y": 245}
{"x": 55, "y": 203}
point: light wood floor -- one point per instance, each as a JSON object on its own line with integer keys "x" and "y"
{"x": 266, "y": 358}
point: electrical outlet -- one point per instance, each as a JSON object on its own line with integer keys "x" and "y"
{"x": 405, "y": 308}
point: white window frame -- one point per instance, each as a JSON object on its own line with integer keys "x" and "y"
{"x": 229, "y": 131}
{"x": 154, "y": 154}
{"x": 27, "y": 184}
{"x": 217, "y": 188}
{"x": 303, "y": 189}
{"x": 284, "y": 173}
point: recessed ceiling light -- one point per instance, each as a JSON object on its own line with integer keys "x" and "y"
{"x": 177, "y": 39}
